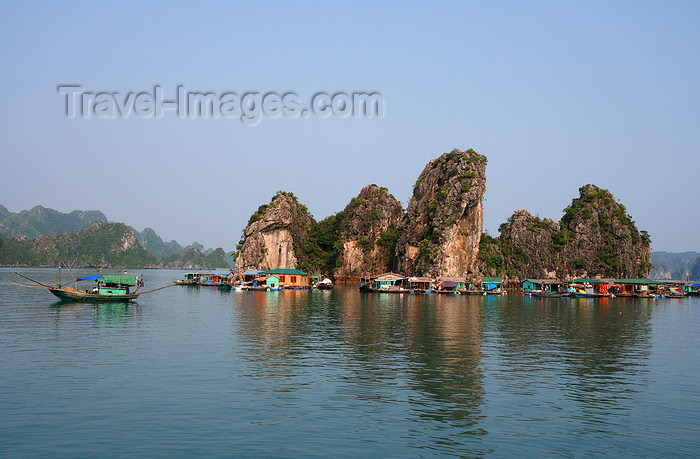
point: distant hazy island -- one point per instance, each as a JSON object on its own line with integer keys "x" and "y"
{"x": 42, "y": 236}
{"x": 440, "y": 233}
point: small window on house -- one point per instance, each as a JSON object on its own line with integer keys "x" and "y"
{"x": 282, "y": 278}
{"x": 293, "y": 279}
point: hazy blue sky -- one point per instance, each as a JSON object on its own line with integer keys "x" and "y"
{"x": 555, "y": 94}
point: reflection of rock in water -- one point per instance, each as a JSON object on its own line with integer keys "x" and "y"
{"x": 445, "y": 342}
{"x": 588, "y": 354}
{"x": 428, "y": 343}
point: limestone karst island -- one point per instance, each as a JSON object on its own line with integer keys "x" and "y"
{"x": 436, "y": 244}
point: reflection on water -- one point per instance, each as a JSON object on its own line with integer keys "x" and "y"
{"x": 304, "y": 372}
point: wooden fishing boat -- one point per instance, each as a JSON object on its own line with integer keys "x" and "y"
{"x": 109, "y": 288}
{"x": 69, "y": 293}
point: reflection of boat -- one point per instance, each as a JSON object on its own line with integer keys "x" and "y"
{"x": 547, "y": 294}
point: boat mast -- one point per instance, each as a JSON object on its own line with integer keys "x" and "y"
{"x": 59, "y": 273}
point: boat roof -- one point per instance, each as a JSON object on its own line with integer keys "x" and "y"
{"x": 544, "y": 281}
{"x": 220, "y": 273}
{"x": 491, "y": 280}
{"x": 96, "y": 277}
{"x": 123, "y": 279}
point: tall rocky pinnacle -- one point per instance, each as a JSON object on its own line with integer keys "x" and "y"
{"x": 275, "y": 235}
{"x": 595, "y": 238}
{"x": 440, "y": 233}
{"x": 368, "y": 233}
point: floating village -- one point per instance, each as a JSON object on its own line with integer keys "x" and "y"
{"x": 392, "y": 283}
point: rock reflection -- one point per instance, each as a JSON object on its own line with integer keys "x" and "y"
{"x": 590, "y": 355}
{"x": 419, "y": 352}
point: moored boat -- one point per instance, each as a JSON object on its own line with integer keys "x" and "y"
{"x": 120, "y": 287}
{"x": 325, "y": 284}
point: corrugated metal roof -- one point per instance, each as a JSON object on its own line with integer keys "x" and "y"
{"x": 293, "y": 272}
{"x": 589, "y": 281}
{"x": 638, "y": 281}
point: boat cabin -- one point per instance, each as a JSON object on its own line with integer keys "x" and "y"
{"x": 115, "y": 284}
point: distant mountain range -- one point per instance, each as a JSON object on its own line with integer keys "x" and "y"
{"x": 676, "y": 266}
{"x": 21, "y": 232}
{"x": 40, "y": 221}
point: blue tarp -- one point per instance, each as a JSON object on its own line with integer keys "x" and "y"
{"x": 99, "y": 276}
{"x": 490, "y": 287}
{"x": 220, "y": 273}
{"x": 251, "y": 273}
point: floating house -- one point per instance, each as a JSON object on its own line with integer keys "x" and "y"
{"x": 388, "y": 280}
{"x": 643, "y": 288}
{"x": 290, "y": 278}
{"x": 492, "y": 285}
{"x": 590, "y": 287}
{"x": 541, "y": 285}
{"x": 189, "y": 279}
{"x": 450, "y": 284}
{"x": 422, "y": 284}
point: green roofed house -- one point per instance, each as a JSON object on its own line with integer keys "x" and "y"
{"x": 492, "y": 285}
{"x": 541, "y": 285}
{"x": 289, "y": 278}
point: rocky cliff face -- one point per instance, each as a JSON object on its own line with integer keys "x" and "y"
{"x": 368, "y": 233}
{"x": 595, "y": 238}
{"x": 440, "y": 233}
{"x": 275, "y": 235}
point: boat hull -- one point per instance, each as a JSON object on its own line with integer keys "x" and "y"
{"x": 84, "y": 297}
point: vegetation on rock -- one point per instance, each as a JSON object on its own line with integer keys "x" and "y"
{"x": 595, "y": 237}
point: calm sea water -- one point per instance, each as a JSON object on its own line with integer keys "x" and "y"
{"x": 200, "y": 372}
